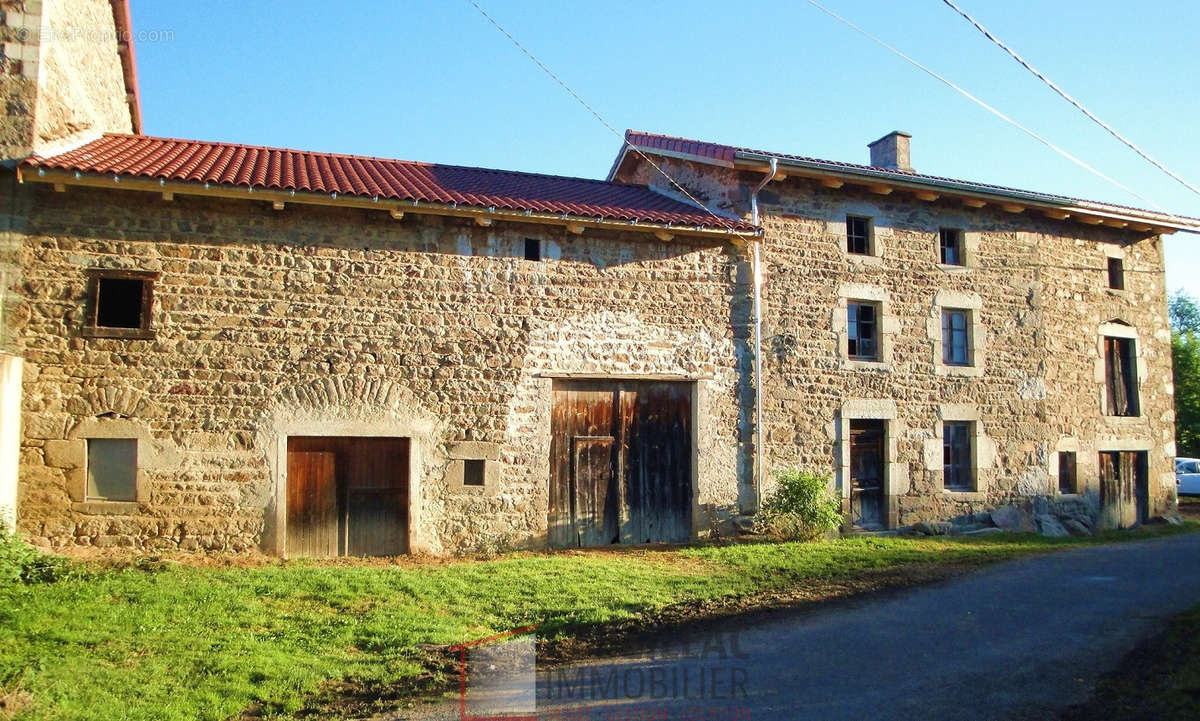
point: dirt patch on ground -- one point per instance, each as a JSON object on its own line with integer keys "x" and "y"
{"x": 1189, "y": 508}
{"x": 1160, "y": 679}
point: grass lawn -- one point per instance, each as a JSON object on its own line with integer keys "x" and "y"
{"x": 184, "y": 642}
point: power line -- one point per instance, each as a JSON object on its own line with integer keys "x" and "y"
{"x": 723, "y": 220}
{"x": 1053, "y": 86}
{"x": 985, "y": 106}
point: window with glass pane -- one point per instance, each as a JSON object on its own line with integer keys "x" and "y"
{"x": 863, "y": 327}
{"x": 956, "y": 348}
{"x": 951, "y": 246}
{"x": 858, "y": 235}
{"x": 956, "y": 456}
{"x": 112, "y": 469}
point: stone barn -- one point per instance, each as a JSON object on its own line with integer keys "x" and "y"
{"x": 213, "y": 346}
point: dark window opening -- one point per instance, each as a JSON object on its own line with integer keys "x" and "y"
{"x": 1120, "y": 373}
{"x": 956, "y": 347}
{"x": 533, "y": 249}
{"x": 956, "y": 456}
{"x": 951, "y": 246}
{"x": 473, "y": 472}
{"x": 1116, "y": 274}
{"x": 862, "y": 325}
{"x": 1066, "y": 472}
{"x": 119, "y": 304}
{"x": 858, "y": 235}
{"x": 112, "y": 469}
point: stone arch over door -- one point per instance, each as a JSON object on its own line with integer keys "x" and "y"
{"x": 341, "y": 407}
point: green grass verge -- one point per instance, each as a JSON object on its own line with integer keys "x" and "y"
{"x": 180, "y": 642}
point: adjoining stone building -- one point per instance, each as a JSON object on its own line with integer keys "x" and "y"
{"x": 233, "y": 347}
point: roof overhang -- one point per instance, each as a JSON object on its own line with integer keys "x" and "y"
{"x": 973, "y": 195}
{"x": 123, "y": 22}
{"x": 280, "y": 199}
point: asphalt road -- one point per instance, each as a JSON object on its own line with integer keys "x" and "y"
{"x": 1020, "y": 640}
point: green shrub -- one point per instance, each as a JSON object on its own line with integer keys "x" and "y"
{"x": 801, "y": 507}
{"x": 22, "y": 563}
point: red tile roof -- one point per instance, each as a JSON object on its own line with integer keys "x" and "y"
{"x": 351, "y": 175}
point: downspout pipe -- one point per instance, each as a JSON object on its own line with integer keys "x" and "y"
{"x": 756, "y": 272}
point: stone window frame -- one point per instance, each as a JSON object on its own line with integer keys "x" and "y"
{"x": 879, "y": 226}
{"x": 983, "y": 452}
{"x": 970, "y": 241}
{"x": 1069, "y": 445}
{"x": 895, "y": 481}
{"x": 1118, "y": 329}
{"x": 459, "y": 453}
{"x": 887, "y": 326}
{"x": 94, "y": 275}
{"x": 1115, "y": 252}
{"x": 977, "y": 338}
{"x": 71, "y": 455}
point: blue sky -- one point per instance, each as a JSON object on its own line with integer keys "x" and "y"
{"x": 432, "y": 80}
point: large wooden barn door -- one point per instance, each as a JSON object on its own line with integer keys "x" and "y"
{"x": 312, "y": 504}
{"x": 620, "y": 463}
{"x": 347, "y": 496}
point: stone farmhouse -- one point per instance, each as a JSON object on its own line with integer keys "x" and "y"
{"x": 225, "y": 347}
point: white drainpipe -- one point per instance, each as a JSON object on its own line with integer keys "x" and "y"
{"x": 756, "y": 267}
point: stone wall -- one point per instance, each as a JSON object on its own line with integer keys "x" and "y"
{"x": 81, "y": 86}
{"x": 1039, "y": 295}
{"x": 331, "y": 321}
{"x": 61, "y": 78}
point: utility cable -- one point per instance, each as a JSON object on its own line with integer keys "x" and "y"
{"x": 1078, "y": 105}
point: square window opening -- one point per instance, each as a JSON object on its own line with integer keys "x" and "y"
{"x": 112, "y": 469}
{"x": 119, "y": 302}
{"x": 957, "y": 453}
{"x": 1120, "y": 373}
{"x": 1116, "y": 274}
{"x": 858, "y": 235}
{"x": 956, "y": 337}
{"x": 951, "y": 246}
{"x": 533, "y": 249}
{"x": 862, "y": 323}
{"x": 474, "y": 472}
{"x": 1066, "y": 472}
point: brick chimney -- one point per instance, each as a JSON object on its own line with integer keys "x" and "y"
{"x": 891, "y": 151}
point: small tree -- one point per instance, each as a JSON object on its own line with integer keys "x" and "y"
{"x": 1185, "y": 357}
{"x": 801, "y": 507}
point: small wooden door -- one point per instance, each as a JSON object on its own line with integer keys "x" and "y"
{"x": 620, "y": 463}
{"x": 347, "y": 496}
{"x": 867, "y": 439}
{"x": 312, "y": 506}
{"x": 1124, "y": 488}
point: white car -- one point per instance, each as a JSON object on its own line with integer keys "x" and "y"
{"x": 1187, "y": 476}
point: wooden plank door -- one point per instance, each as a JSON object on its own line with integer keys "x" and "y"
{"x": 583, "y": 478}
{"x": 376, "y": 481}
{"x": 656, "y": 460}
{"x": 1124, "y": 489}
{"x": 312, "y": 504}
{"x": 620, "y": 463}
